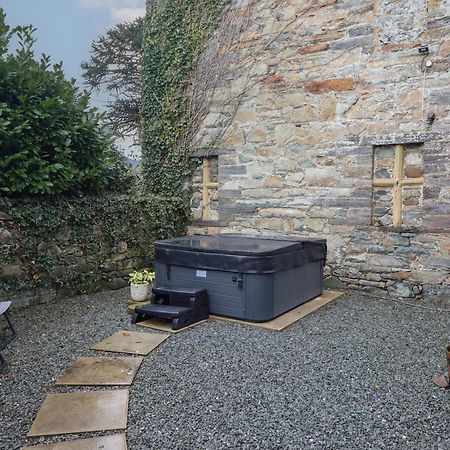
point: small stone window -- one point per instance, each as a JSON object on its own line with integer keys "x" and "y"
{"x": 398, "y": 186}
{"x": 204, "y": 203}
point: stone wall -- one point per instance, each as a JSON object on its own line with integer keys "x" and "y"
{"x": 311, "y": 105}
{"x": 71, "y": 262}
{"x": 60, "y": 247}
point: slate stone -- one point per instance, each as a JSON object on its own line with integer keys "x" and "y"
{"x": 5, "y": 216}
{"x": 117, "y": 283}
{"x": 401, "y": 290}
{"x": 5, "y": 236}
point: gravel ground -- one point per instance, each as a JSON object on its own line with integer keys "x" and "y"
{"x": 354, "y": 375}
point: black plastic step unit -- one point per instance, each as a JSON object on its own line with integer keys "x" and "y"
{"x": 182, "y": 306}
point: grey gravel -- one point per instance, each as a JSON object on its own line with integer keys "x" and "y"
{"x": 354, "y": 375}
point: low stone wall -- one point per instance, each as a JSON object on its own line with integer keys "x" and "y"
{"x": 60, "y": 248}
{"x": 395, "y": 263}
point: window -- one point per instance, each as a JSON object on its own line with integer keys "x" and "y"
{"x": 209, "y": 189}
{"x": 204, "y": 203}
{"x": 398, "y": 186}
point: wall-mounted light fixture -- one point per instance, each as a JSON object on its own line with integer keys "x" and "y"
{"x": 431, "y": 118}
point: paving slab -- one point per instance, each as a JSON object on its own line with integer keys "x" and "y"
{"x": 101, "y": 371}
{"x": 113, "y": 442}
{"x": 80, "y": 412}
{"x": 131, "y": 342}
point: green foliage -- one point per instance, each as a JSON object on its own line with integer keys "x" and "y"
{"x": 74, "y": 245}
{"x": 143, "y": 276}
{"x": 115, "y": 65}
{"x": 174, "y": 34}
{"x": 51, "y": 141}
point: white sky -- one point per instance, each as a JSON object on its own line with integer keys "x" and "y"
{"x": 118, "y": 10}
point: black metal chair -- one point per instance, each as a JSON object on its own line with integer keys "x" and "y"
{"x": 10, "y": 332}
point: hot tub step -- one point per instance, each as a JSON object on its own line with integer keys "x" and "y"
{"x": 165, "y": 311}
{"x": 181, "y": 305}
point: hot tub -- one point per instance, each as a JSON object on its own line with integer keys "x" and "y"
{"x": 247, "y": 278}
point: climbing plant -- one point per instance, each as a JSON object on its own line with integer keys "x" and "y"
{"x": 175, "y": 32}
{"x": 74, "y": 244}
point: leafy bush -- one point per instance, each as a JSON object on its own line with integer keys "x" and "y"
{"x": 142, "y": 276}
{"x": 51, "y": 141}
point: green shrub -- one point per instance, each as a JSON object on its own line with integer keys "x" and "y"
{"x": 51, "y": 141}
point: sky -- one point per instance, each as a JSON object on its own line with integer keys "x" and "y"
{"x": 66, "y": 29}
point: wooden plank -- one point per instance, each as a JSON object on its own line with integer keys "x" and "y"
{"x": 383, "y": 182}
{"x": 398, "y": 175}
{"x": 399, "y": 161}
{"x": 397, "y": 182}
{"x": 205, "y": 193}
{"x": 411, "y": 181}
{"x": 397, "y": 207}
{"x": 165, "y": 325}
{"x": 133, "y": 305}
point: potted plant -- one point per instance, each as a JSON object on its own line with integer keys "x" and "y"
{"x": 140, "y": 284}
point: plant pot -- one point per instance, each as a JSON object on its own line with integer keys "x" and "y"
{"x": 139, "y": 292}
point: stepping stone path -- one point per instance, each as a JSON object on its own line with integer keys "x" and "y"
{"x": 101, "y": 371}
{"x": 80, "y": 412}
{"x": 108, "y": 410}
{"x": 113, "y": 442}
{"x": 131, "y": 342}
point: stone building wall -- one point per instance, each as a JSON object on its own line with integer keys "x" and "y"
{"x": 314, "y": 99}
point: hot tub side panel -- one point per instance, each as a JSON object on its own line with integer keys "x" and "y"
{"x": 259, "y": 299}
{"x": 225, "y": 294}
{"x": 295, "y": 286}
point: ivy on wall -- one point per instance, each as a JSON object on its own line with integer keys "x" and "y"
{"x": 77, "y": 245}
{"x": 174, "y": 34}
